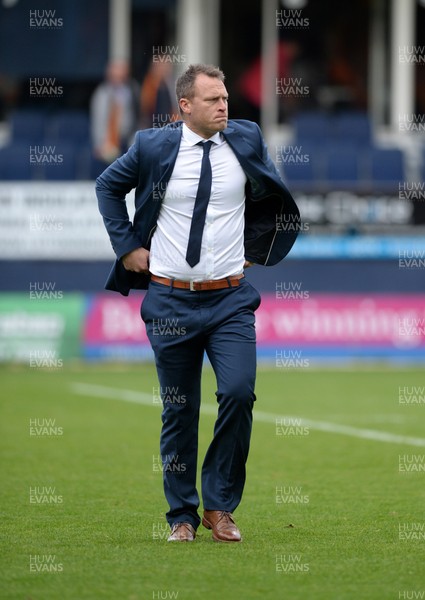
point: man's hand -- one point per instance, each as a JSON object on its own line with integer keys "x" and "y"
{"x": 137, "y": 261}
{"x": 247, "y": 264}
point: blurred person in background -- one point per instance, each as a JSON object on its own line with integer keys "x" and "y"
{"x": 114, "y": 112}
{"x": 208, "y": 201}
{"x": 9, "y": 94}
{"x": 156, "y": 98}
{"x": 250, "y": 80}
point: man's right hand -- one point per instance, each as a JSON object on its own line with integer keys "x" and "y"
{"x": 137, "y": 261}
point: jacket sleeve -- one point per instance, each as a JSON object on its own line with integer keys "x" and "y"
{"x": 112, "y": 186}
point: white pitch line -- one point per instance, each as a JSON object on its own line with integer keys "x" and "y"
{"x": 100, "y": 391}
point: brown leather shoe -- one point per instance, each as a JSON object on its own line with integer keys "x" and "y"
{"x": 182, "y": 532}
{"x": 222, "y": 524}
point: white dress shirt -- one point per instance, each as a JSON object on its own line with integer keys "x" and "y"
{"x": 222, "y": 250}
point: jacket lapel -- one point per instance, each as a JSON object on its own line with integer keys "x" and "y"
{"x": 170, "y": 144}
{"x": 248, "y": 158}
{"x": 242, "y": 148}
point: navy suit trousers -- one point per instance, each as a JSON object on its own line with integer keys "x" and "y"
{"x": 181, "y": 326}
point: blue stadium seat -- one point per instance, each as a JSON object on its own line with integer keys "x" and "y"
{"x": 298, "y": 173}
{"x": 311, "y": 126}
{"x": 97, "y": 167}
{"x": 71, "y": 126}
{"x": 353, "y": 127}
{"x": 28, "y": 126}
{"x": 89, "y": 167}
{"x": 301, "y": 164}
{"x": 15, "y": 162}
{"x": 61, "y": 161}
{"x": 342, "y": 166}
{"x": 386, "y": 165}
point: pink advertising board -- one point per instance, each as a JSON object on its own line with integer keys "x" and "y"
{"x": 397, "y": 321}
{"x": 328, "y": 324}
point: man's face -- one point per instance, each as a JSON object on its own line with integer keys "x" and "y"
{"x": 206, "y": 112}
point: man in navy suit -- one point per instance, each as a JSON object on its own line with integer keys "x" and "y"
{"x": 209, "y": 203}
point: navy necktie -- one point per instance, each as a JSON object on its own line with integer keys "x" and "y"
{"x": 193, "y": 253}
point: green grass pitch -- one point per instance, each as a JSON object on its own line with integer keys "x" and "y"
{"x": 329, "y": 511}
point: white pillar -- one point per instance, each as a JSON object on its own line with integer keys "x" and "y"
{"x": 377, "y": 84}
{"x": 269, "y": 112}
{"x": 402, "y": 72}
{"x": 120, "y": 29}
{"x": 198, "y": 31}
{"x": 212, "y": 31}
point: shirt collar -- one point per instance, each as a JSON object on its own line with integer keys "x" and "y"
{"x": 193, "y": 138}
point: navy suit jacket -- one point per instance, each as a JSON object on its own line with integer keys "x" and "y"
{"x": 272, "y": 219}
